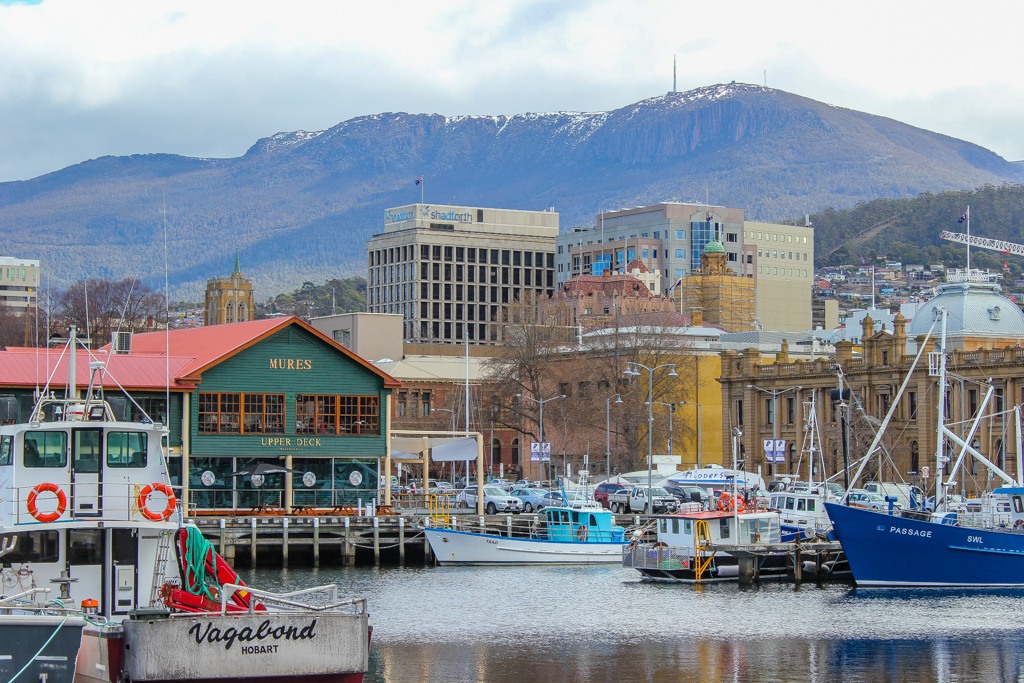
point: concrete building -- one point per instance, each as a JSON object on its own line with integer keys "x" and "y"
{"x": 671, "y": 237}
{"x": 229, "y": 299}
{"x": 19, "y": 282}
{"x": 451, "y": 272}
{"x": 374, "y": 336}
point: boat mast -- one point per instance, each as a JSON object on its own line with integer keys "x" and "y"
{"x": 940, "y": 441}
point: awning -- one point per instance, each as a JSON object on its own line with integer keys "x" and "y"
{"x": 443, "y": 449}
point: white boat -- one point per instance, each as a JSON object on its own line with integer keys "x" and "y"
{"x": 686, "y": 547}
{"x": 560, "y": 535}
{"x": 87, "y": 509}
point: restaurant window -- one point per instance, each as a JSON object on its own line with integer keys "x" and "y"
{"x": 153, "y": 408}
{"x": 359, "y": 415}
{"x": 218, "y": 413}
{"x": 264, "y": 414}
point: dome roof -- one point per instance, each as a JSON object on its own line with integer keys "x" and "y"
{"x": 976, "y": 309}
{"x": 714, "y": 247}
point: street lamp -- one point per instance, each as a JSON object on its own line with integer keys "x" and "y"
{"x": 633, "y": 370}
{"x": 541, "y": 403}
{"x": 608, "y": 433}
{"x": 700, "y": 427}
{"x": 671, "y": 410}
{"x": 774, "y": 393}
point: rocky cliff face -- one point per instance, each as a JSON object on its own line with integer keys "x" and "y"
{"x": 301, "y": 205}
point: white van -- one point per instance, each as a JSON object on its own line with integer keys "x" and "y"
{"x": 901, "y": 492}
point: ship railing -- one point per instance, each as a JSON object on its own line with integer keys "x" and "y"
{"x": 34, "y": 600}
{"x": 113, "y": 502}
{"x": 288, "y": 602}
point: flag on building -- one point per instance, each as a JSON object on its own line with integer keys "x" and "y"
{"x": 676, "y": 283}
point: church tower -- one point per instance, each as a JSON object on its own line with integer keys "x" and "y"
{"x": 229, "y": 299}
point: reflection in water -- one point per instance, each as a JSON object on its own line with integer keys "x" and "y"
{"x": 522, "y": 624}
{"x": 871, "y": 661}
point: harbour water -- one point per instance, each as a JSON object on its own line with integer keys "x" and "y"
{"x": 600, "y": 623}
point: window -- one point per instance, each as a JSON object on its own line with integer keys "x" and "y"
{"x": 126, "y": 449}
{"x": 218, "y": 413}
{"x": 46, "y": 449}
{"x": 6, "y": 455}
{"x": 739, "y": 412}
{"x": 34, "y": 546}
{"x": 790, "y": 409}
{"x": 769, "y": 411}
{"x": 264, "y": 414}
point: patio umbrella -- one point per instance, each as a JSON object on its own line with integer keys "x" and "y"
{"x": 258, "y": 471}
{"x": 261, "y": 468}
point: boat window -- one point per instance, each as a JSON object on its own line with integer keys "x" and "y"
{"x": 87, "y": 450}
{"x": 789, "y": 503}
{"x": 5, "y": 450}
{"x": 85, "y": 546}
{"x": 687, "y": 527}
{"x": 46, "y": 449}
{"x": 663, "y": 526}
{"x": 675, "y": 526}
{"x": 126, "y": 449}
{"x": 1018, "y": 506}
{"x": 724, "y": 528}
{"x": 593, "y": 520}
{"x": 810, "y": 505}
{"x": 34, "y": 546}
{"x": 800, "y": 504}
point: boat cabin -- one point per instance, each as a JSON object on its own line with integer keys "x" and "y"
{"x": 571, "y": 525}
{"x": 722, "y": 528}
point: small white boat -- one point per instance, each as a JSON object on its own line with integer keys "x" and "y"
{"x": 686, "y": 549}
{"x": 560, "y": 535}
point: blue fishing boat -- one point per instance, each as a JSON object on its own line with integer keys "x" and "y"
{"x": 944, "y": 547}
{"x": 558, "y": 535}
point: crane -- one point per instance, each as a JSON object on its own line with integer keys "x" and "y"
{"x": 1001, "y": 246}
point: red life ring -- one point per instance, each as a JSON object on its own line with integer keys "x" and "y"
{"x": 725, "y": 502}
{"x": 45, "y": 517}
{"x": 582, "y": 533}
{"x": 143, "y": 499}
{"x": 1019, "y": 524}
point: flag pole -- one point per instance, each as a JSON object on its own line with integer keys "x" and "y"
{"x": 423, "y": 186}
{"x": 968, "y": 241}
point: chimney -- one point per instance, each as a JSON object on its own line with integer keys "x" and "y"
{"x": 697, "y": 316}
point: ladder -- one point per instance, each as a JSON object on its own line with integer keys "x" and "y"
{"x": 701, "y": 545}
{"x": 163, "y": 553}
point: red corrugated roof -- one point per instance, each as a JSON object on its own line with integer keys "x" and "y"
{"x": 213, "y": 344}
{"x": 192, "y": 351}
{"x": 32, "y": 367}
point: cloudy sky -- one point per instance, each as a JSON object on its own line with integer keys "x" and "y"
{"x": 86, "y": 78}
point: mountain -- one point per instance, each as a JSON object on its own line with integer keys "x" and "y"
{"x": 300, "y": 206}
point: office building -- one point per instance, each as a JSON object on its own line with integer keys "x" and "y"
{"x": 671, "y": 238}
{"x": 453, "y": 271}
{"x": 19, "y": 282}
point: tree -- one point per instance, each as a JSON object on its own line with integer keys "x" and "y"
{"x": 100, "y": 307}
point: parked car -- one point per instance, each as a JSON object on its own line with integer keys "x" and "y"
{"x": 689, "y": 494}
{"x": 635, "y": 499}
{"x": 533, "y": 499}
{"x": 868, "y": 499}
{"x": 495, "y": 500}
{"x": 602, "y": 491}
{"x": 441, "y": 488}
{"x": 573, "y": 499}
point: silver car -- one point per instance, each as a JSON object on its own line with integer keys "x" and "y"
{"x": 496, "y": 500}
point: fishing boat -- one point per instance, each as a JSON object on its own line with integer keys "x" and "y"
{"x": 43, "y": 638}
{"x": 944, "y": 547}
{"x": 88, "y": 511}
{"x": 687, "y": 546}
{"x": 558, "y": 535}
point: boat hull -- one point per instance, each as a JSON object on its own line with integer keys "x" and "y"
{"x": 465, "y": 547}
{"x": 316, "y": 647}
{"x": 889, "y": 550}
{"x": 55, "y": 638}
